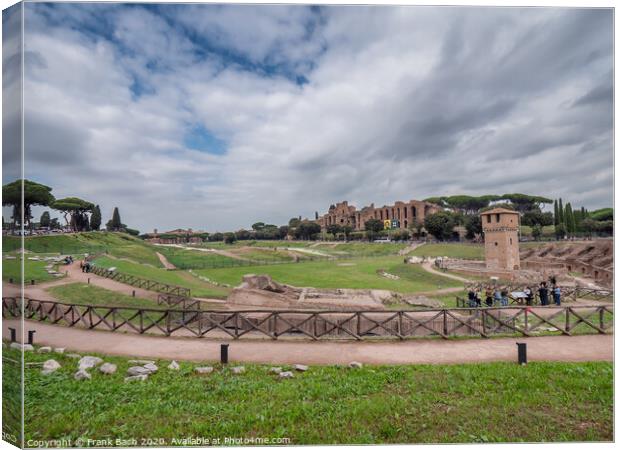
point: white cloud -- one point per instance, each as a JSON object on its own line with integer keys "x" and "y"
{"x": 399, "y": 103}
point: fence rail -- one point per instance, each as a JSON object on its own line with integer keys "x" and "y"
{"x": 317, "y": 325}
{"x": 142, "y": 283}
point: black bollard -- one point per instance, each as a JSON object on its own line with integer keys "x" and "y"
{"x": 224, "y": 353}
{"x": 522, "y": 350}
{"x": 32, "y": 282}
{"x": 31, "y": 336}
{"x": 133, "y": 293}
{"x": 11, "y": 280}
{"x": 89, "y": 281}
{"x": 13, "y": 334}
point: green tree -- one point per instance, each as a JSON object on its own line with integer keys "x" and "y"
{"x": 229, "y": 238}
{"x": 556, "y": 213}
{"x": 440, "y": 225}
{"x": 536, "y": 232}
{"x": 334, "y": 229}
{"x": 116, "y": 224}
{"x": 372, "y": 227}
{"x": 258, "y": 226}
{"x": 473, "y": 225}
{"x": 45, "y": 219}
{"x": 74, "y": 211}
{"x": 347, "y": 229}
{"x": 294, "y": 222}
{"x": 95, "y": 219}
{"x": 560, "y": 231}
{"x": 34, "y": 194}
{"x": 307, "y": 230}
{"x": 561, "y": 214}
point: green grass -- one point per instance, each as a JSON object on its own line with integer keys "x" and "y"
{"x": 120, "y": 245}
{"x": 351, "y": 273}
{"x": 463, "y": 251}
{"x": 491, "y": 402}
{"x": 361, "y": 249}
{"x": 33, "y": 270}
{"x": 186, "y": 259}
{"x": 88, "y": 294}
{"x": 177, "y": 277}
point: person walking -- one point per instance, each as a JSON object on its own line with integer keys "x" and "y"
{"x": 471, "y": 298}
{"x": 543, "y": 293}
{"x": 557, "y": 295}
{"x": 477, "y": 298}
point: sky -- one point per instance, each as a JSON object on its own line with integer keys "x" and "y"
{"x": 214, "y": 117}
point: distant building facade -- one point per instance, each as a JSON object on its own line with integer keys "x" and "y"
{"x": 501, "y": 239}
{"x": 400, "y": 214}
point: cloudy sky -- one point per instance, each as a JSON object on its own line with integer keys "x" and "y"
{"x": 214, "y": 117}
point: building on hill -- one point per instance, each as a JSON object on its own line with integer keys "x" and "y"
{"x": 400, "y": 215}
{"x": 501, "y": 238}
{"x": 177, "y": 236}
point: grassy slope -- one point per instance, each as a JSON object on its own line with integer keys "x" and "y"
{"x": 34, "y": 270}
{"x": 341, "y": 274}
{"x": 193, "y": 258}
{"x": 87, "y": 294}
{"x": 465, "y": 251}
{"x": 180, "y": 278}
{"x": 328, "y": 405}
{"x": 117, "y": 244}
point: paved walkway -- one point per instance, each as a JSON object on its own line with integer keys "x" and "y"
{"x": 423, "y": 351}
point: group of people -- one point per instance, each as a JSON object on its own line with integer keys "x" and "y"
{"x": 68, "y": 260}
{"x": 494, "y": 296}
{"x": 85, "y": 266}
{"x": 556, "y": 292}
{"x": 499, "y": 295}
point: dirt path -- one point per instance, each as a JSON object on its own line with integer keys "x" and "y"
{"x": 410, "y": 248}
{"x": 428, "y": 266}
{"x": 427, "y": 351}
{"x": 167, "y": 264}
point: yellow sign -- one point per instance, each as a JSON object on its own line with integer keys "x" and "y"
{"x": 387, "y": 224}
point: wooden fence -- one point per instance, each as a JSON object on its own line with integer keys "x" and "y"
{"x": 315, "y": 325}
{"x": 178, "y": 301}
{"x": 142, "y": 283}
{"x": 569, "y": 293}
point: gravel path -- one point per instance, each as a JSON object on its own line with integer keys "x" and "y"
{"x": 423, "y": 351}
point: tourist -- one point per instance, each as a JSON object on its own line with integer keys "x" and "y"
{"x": 477, "y": 298}
{"x": 543, "y": 293}
{"x": 489, "y": 296}
{"x": 504, "y": 295}
{"x": 557, "y": 294}
{"x": 471, "y": 298}
{"x": 528, "y": 296}
{"x": 497, "y": 297}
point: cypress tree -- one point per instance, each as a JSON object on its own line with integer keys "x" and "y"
{"x": 116, "y": 220}
{"x": 556, "y": 214}
{"x": 561, "y": 220}
{"x": 95, "y": 219}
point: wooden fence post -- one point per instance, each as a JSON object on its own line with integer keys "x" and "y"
{"x": 567, "y": 322}
{"x": 445, "y": 322}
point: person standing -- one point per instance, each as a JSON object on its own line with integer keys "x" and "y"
{"x": 489, "y": 296}
{"x": 504, "y": 296}
{"x": 528, "y": 296}
{"x": 557, "y": 294}
{"x": 497, "y": 297}
{"x": 543, "y": 293}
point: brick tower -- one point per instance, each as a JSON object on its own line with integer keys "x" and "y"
{"x": 501, "y": 239}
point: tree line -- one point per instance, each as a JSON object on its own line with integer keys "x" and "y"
{"x": 78, "y": 214}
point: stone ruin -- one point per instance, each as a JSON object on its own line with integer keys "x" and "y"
{"x": 262, "y": 292}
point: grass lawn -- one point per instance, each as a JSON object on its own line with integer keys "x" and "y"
{"x": 351, "y": 273}
{"x": 463, "y": 251}
{"x": 189, "y": 259}
{"x": 88, "y": 294}
{"x": 33, "y": 270}
{"x": 492, "y": 402}
{"x": 198, "y": 287}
